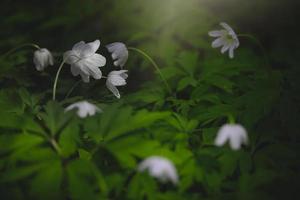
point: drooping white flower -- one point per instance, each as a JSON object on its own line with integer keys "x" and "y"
{"x": 119, "y": 53}
{"x": 116, "y": 78}
{"x": 42, "y": 58}
{"x": 85, "y": 61}
{"x": 226, "y": 38}
{"x": 160, "y": 168}
{"x": 235, "y": 134}
{"x": 84, "y": 108}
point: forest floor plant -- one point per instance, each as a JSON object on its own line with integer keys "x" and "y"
{"x": 103, "y": 152}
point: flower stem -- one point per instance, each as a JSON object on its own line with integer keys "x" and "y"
{"x": 72, "y": 89}
{"x": 154, "y": 64}
{"x": 53, "y": 143}
{"x": 56, "y": 79}
{"x": 260, "y": 46}
{"x": 55, "y": 146}
{"x": 19, "y": 47}
{"x": 231, "y": 119}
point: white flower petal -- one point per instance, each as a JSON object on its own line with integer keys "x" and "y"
{"x": 89, "y": 69}
{"x": 235, "y": 134}
{"x": 113, "y": 89}
{"x": 124, "y": 75}
{"x": 235, "y": 142}
{"x": 227, "y": 27}
{"x": 85, "y": 61}
{"x": 217, "y": 33}
{"x": 75, "y": 70}
{"x": 114, "y": 56}
{"x": 117, "y": 80}
{"x": 226, "y": 38}
{"x": 221, "y": 137}
{"x": 84, "y": 108}
{"x": 225, "y": 48}
{"x": 237, "y": 42}
{"x": 51, "y": 60}
{"x": 231, "y": 53}
{"x": 96, "y": 60}
{"x": 160, "y": 168}
{"x": 119, "y": 72}
{"x": 85, "y": 78}
{"x": 218, "y": 42}
{"x": 42, "y": 58}
{"x": 90, "y": 48}
{"x": 78, "y": 46}
{"x": 71, "y": 57}
{"x": 119, "y": 53}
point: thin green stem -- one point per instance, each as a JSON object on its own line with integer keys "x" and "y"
{"x": 55, "y": 146}
{"x": 260, "y": 46}
{"x": 56, "y": 79}
{"x": 19, "y": 47}
{"x": 72, "y": 89}
{"x": 154, "y": 64}
{"x": 53, "y": 142}
{"x": 231, "y": 119}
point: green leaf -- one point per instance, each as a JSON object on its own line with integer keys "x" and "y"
{"x": 220, "y": 82}
{"x": 142, "y": 186}
{"x": 15, "y": 174}
{"x": 245, "y": 162}
{"x": 119, "y": 121}
{"x": 186, "y": 81}
{"x": 209, "y": 135}
{"x": 55, "y": 117}
{"x": 69, "y": 138}
{"x": 47, "y": 182}
{"x": 84, "y": 181}
{"x": 83, "y": 154}
{"x": 10, "y": 102}
{"x": 188, "y": 61}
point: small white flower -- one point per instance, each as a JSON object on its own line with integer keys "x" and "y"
{"x": 84, "y": 108}
{"x": 226, "y": 38}
{"x": 42, "y": 58}
{"x": 85, "y": 61}
{"x": 160, "y": 168}
{"x": 116, "y": 78}
{"x": 119, "y": 53}
{"x": 234, "y": 133}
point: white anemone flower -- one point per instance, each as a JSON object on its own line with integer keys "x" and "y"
{"x": 235, "y": 134}
{"x": 116, "y": 78}
{"x": 160, "y": 168}
{"x": 226, "y": 38}
{"x": 85, "y": 61}
{"x": 42, "y": 58}
{"x": 119, "y": 53}
{"x": 84, "y": 108}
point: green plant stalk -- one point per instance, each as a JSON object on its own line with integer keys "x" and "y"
{"x": 53, "y": 142}
{"x": 72, "y": 88}
{"x": 231, "y": 119}
{"x": 260, "y": 46}
{"x": 154, "y": 64}
{"x": 56, "y": 79}
{"x": 55, "y": 146}
{"x": 19, "y": 47}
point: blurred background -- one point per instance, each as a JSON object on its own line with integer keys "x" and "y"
{"x": 57, "y": 24}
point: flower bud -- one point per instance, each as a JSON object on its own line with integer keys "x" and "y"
{"x": 42, "y": 58}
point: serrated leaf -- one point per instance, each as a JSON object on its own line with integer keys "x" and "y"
{"x": 186, "y": 81}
